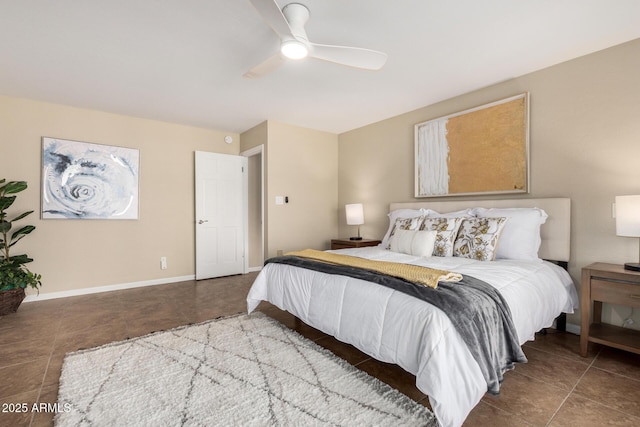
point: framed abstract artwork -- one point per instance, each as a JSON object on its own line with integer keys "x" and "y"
{"x": 483, "y": 150}
{"x": 81, "y": 180}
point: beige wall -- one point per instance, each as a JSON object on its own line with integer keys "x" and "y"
{"x": 302, "y": 165}
{"x": 75, "y": 254}
{"x": 585, "y": 144}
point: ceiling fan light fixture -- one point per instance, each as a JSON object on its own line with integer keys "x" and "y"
{"x": 288, "y": 24}
{"x": 293, "y": 49}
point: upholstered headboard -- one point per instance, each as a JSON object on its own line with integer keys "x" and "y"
{"x": 555, "y": 232}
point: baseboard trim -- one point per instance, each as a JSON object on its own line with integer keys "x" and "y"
{"x": 86, "y": 291}
{"x": 253, "y": 269}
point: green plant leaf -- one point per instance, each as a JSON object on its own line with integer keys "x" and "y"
{"x": 23, "y": 231}
{"x": 22, "y": 216}
{"x": 6, "y": 201}
{"x": 13, "y": 187}
{"x": 20, "y": 259}
{"x": 14, "y": 241}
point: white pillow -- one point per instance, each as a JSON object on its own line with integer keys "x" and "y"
{"x": 423, "y": 243}
{"x": 413, "y": 242}
{"x": 399, "y": 213}
{"x": 520, "y": 238}
{"x": 465, "y": 213}
{"x": 401, "y": 241}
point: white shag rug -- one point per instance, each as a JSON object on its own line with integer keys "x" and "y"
{"x": 235, "y": 371}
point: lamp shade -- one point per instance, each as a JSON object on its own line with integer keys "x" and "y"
{"x": 628, "y": 216}
{"x": 355, "y": 214}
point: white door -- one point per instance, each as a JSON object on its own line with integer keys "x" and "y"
{"x": 220, "y": 214}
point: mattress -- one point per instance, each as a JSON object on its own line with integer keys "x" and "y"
{"x": 393, "y": 327}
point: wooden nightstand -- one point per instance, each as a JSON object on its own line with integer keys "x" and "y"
{"x": 346, "y": 243}
{"x": 609, "y": 283}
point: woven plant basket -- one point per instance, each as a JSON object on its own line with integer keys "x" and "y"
{"x": 10, "y": 300}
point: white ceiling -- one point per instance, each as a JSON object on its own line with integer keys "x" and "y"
{"x": 182, "y": 60}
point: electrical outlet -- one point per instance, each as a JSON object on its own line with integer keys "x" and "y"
{"x": 163, "y": 263}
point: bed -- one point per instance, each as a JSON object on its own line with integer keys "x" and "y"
{"x": 395, "y": 327}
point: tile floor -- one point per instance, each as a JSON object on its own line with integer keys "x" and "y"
{"x": 556, "y": 388}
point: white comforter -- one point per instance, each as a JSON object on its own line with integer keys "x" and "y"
{"x": 393, "y": 327}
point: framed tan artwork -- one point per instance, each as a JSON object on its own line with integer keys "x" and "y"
{"x": 483, "y": 150}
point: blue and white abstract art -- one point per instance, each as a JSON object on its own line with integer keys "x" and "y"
{"x": 89, "y": 181}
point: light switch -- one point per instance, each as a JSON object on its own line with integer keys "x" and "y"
{"x": 279, "y": 200}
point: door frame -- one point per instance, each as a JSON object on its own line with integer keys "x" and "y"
{"x": 259, "y": 149}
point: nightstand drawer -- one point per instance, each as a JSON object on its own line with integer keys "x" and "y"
{"x": 615, "y": 292}
{"x": 348, "y": 243}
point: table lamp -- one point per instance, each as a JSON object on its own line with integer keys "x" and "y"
{"x": 355, "y": 216}
{"x": 628, "y": 222}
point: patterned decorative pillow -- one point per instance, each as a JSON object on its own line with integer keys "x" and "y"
{"x": 478, "y": 238}
{"x": 447, "y": 230}
{"x": 405, "y": 224}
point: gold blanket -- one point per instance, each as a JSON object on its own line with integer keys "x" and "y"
{"x": 414, "y": 273}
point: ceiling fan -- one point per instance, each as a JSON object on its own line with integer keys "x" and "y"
{"x": 288, "y": 24}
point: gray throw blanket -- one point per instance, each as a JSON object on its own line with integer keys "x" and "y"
{"x": 476, "y": 309}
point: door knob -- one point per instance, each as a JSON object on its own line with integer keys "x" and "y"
{"x": 202, "y": 221}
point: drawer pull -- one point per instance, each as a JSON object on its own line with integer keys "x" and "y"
{"x": 634, "y": 296}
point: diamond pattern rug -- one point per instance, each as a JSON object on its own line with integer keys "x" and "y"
{"x": 235, "y": 371}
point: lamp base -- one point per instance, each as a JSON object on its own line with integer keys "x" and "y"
{"x": 633, "y": 266}
{"x": 355, "y": 238}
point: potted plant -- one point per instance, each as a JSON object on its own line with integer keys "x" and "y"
{"x": 14, "y": 276}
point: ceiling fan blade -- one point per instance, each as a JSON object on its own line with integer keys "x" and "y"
{"x": 265, "y": 67}
{"x": 273, "y": 16}
{"x": 350, "y": 56}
